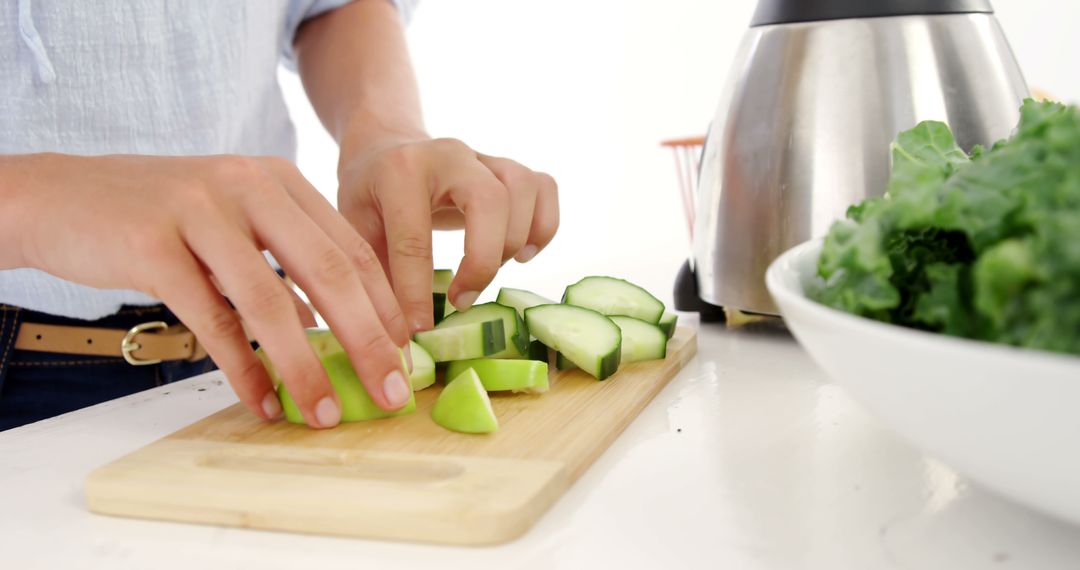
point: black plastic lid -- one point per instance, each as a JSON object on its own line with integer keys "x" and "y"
{"x": 791, "y": 11}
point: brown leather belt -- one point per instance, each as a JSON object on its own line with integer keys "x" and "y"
{"x": 145, "y": 343}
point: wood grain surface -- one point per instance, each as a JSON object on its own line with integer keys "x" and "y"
{"x": 401, "y": 478}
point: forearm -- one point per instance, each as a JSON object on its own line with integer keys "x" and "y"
{"x": 17, "y": 208}
{"x": 354, "y": 63}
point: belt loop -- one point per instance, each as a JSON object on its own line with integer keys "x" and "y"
{"x": 9, "y": 328}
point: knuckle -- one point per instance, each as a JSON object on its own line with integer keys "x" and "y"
{"x": 149, "y": 243}
{"x": 394, "y": 319}
{"x": 267, "y": 297}
{"x": 304, "y": 380}
{"x": 333, "y": 266}
{"x": 412, "y": 247}
{"x": 195, "y": 199}
{"x": 220, "y": 325}
{"x": 372, "y": 344}
{"x": 249, "y": 373}
{"x": 519, "y": 177}
{"x": 450, "y": 145}
{"x": 547, "y": 182}
{"x": 233, "y": 169}
{"x": 279, "y": 164}
{"x": 364, "y": 257}
{"x": 492, "y": 195}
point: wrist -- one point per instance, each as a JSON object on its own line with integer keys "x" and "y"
{"x": 367, "y": 135}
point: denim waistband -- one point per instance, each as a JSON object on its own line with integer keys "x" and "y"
{"x": 36, "y": 385}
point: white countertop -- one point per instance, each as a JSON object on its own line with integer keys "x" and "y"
{"x": 748, "y": 460}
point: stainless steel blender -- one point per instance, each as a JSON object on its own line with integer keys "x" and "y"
{"x": 818, "y": 91}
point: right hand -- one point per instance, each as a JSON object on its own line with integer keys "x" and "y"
{"x": 178, "y": 228}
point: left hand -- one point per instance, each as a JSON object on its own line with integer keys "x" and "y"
{"x": 396, "y": 192}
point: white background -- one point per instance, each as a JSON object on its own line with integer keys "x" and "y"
{"x": 585, "y": 90}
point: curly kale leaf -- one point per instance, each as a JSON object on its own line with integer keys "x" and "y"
{"x": 985, "y": 246}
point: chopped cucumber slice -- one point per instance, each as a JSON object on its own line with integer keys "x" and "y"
{"x": 563, "y": 363}
{"x": 440, "y": 283}
{"x": 589, "y": 339}
{"x": 667, "y": 323}
{"x": 440, "y": 280}
{"x": 521, "y": 299}
{"x": 464, "y": 406}
{"x": 610, "y": 296}
{"x": 438, "y": 306}
{"x": 356, "y": 403}
{"x": 499, "y": 375}
{"x": 470, "y": 340}
{"x": 423, "y": 367}
{"x": 516, "y": 335}
{"x": 640, "y": 340}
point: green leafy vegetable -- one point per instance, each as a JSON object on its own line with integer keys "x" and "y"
{"x": 984, "y": 246}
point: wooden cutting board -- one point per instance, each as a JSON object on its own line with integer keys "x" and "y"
{"x": 399, "y": 478}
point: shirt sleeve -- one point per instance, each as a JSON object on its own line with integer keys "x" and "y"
{"x": 299, "y": 11}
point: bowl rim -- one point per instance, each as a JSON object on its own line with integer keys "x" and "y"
{"x": 782, "y": 294}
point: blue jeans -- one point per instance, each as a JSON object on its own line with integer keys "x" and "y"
{"x": 39, "y": 385}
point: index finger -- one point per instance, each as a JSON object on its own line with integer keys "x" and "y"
{"x": 485, "y": 203}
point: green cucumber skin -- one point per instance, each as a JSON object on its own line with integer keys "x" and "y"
{"x": 667, "y": 323}
{"x": 507, "y": 295}
{"x": 492, "y": 340}
{"x": 500, "y": 374}
{"x": 440, "y": 280}
{"x": 357, "y": 404}
{"x": 517, "y": 345}
{"x": 563, "y": 363}
{"x": 606, "y": 364}
{"x": 438, "y": 306}
{"x": 609, "y": 365}
{"x": 652, "y": 316}
{"x": 493, "y": 336}
{"x": 647, "y": 341}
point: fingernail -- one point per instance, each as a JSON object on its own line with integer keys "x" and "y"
{"x": 528, "y": 252}
{"x": 271, "y": 406}
{"x": 396, "y": 389}
{"x": 408, "y": 356}
{"x": 465, "y": 299}
{"x": 327, "y": 412}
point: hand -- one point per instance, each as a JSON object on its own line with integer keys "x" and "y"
{"x": 176, "y": 228}
{"x": 395, "y": 193}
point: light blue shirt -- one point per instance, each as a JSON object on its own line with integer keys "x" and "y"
{"x": 158, "y": 77}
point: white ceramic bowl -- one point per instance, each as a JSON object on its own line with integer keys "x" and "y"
{"x": 1007, "y": 418}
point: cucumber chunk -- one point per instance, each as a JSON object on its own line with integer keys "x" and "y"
{"x": 563, "y": 363}
{"x": 464, "y": 406}
{"x": 440, "y": 280}
{"x": 587, "y": 338}
{"x": 521, "y": 299}
{"x": 469, "y": 340}
{"x": 667, "y": 323}
{"x": 500, "y": 375}
{"x": 516, "y": 335}
{"x": 440, "y": 283}
{"x": 610, "y": 296}
{"x": 640, "y": 340}
{"x": 423, "y": 372}
{"x": 356, "y": 403}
